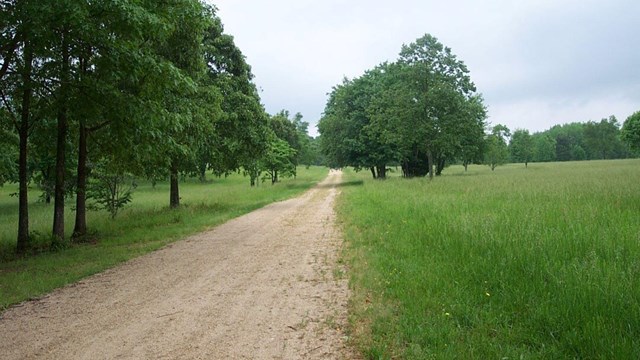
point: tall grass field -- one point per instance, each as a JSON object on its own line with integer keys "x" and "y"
{"x": 144, "y": 225}
{"x": 537, "y": 263}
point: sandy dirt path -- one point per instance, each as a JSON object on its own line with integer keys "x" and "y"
{"x": 261, "y": 286}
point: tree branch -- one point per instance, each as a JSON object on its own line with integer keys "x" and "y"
{"x": 99, "y": 126}
{"x": 12, "y": 114}
{"x": 11, "y": 49}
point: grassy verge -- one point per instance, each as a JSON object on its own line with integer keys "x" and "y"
{"x": 513, "y": 264}
{"x": 146, "y": 225}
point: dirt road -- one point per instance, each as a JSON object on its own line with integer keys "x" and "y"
{"x": 261, "y": 286}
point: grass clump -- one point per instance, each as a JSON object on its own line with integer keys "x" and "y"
{"x": 518, "y": 263}
{"x": 145, "y": 225}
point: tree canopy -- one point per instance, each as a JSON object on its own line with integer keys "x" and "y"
{"x": 420, "y": 112}
{"x": 631, "y": 131}
{"x": 153, "y": 89}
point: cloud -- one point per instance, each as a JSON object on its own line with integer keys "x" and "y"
{"x": 537, "y": 63}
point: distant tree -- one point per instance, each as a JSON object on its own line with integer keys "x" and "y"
{"x": 472, "y": 145}
{"x": 568, "y": 138}
{"x": 286, "y": 129}
{"x": 578, "y": 153}
{"x": 521, "y": 146}
{"x": 603, "y": 139}
{"x": 279, "y": 160}
{"x": 631, "y": 131}
{"x": 563, "y": 148}
{"x": 497, "y": 151}
{"x": 349, "y": 134}
{"x": 544, "y": 147}
{"x": 421, "y": 112}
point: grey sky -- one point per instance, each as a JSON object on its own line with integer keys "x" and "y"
{"x": 537, "y": 63}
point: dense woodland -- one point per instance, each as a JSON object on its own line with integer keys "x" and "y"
{"x": 423, "y": 113}
{"x": 95, "y": 94}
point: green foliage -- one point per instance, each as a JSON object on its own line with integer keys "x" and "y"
{"x": 580, "y": 141}
{"x": 110, "y": 191}
{"x": 156, "y": 86}
{"x": 541, "y": 264}
{"x": 420, "y": 112}
{"x": 544, "y": 147}
{"x": 497, "y": 152}
{"x": 631, "y": 131}
{"x": 278, "y": 162}
{"x": 521, "y": 146}
{"x": 8, "y": 155}
{"x": 603, "y": 139}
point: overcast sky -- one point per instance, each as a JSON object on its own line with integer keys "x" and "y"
{"x": 537, "y": 63}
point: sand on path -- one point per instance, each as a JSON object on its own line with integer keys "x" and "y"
{"x": 261, "y": 286}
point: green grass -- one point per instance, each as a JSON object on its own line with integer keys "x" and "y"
{"x": 145, "y": 225}
{"x": 538, "y": 263}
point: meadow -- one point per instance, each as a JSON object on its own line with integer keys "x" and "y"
{"x": 144, "y": 225}
{"x": 537, "y": 263}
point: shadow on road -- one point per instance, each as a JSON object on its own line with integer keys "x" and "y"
{"x": 342, "y": 184}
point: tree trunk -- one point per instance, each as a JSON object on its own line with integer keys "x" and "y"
{"x": 440, "y": 166}
{"x": 382, "y": 172}
{"x": 174, "y": 193}
{"x": 373, "y": 172}
{"x": 526, "y": 164}
{"x": 202, "y": 173}
{"x": 23, "y": 207}
{"x": 465, "y": 164}
{"x": 430, "y": 160}
{"x": 80, "y": 228}
{"x": 58, "y": 212}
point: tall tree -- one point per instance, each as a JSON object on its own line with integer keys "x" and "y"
{"x": 441, "y": 84}
{"x": 602, "y": 138}
{"x": 113, "y": 64}
{"x": 544, "y": 147}
{"x": 631, "y": 131}
{"x": 521, "y": 146}
{"x": 24, "y": 28}
{"x": 497, "y": 152}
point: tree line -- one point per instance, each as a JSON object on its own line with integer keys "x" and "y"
{"x": 592, "y": 140}
{"x": 422, "y": 113}
{"x": 94, "y": 91}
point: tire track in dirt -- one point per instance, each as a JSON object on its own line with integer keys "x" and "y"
{"x": 260, "y": 286}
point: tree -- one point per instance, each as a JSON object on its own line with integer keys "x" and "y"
{"x": 25, "y": 35}
{"x": 111, "y": 77}
{"x": 240, "y": 132}
{"x": 350, "y": 135}
{"x": 544, "y": 147}
{"x": 521, "y": 146}
{"x": 111, "y": 188}
{"x": 420, "y": 111}
{"x": 631, "y": 131}
{"x": 440, "y": 85}
{"x": 602, "y": 138}
{"x": 8, "y": 153}
{"x": 279, "y": 160}
{"x": 497, "y": 152}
